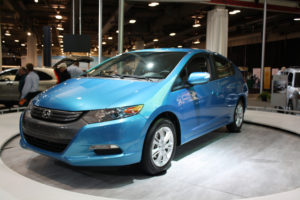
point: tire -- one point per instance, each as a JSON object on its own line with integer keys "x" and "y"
{"x": 290, "y": 108}
{"x": 158, "y": 153}
{"x": 238, "y": 117}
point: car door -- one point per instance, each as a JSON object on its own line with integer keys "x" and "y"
{"x": 8, "y": 86}
{"x": 46, "y": 81}
{"x": 195, "y": 102}
{"x": 227, "y": 88}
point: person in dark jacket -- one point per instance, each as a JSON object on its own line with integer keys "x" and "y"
{"x": 20, "y": 76}
{"x": 64, "y": 74}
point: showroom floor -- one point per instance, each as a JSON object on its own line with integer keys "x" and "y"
{"x": 258, "y": 161}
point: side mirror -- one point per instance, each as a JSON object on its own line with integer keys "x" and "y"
{"x": 198, "y": 78}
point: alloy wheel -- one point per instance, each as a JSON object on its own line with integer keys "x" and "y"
{"x": 162, "y": 146}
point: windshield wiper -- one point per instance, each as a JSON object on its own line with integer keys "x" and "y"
{"x": 111, "y": 75}
{"x": 137, "y": 77}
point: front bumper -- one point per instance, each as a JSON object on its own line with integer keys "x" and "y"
{"x": 127, "y": 133}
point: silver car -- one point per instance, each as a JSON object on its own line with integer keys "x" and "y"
{"x": 293, "y": 88}
{"x": 9, "y": 93}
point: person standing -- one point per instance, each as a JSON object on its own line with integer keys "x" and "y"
{"x": 20, "y": 76}
{"x": 31, "y": 86}
{"x": 74, "y": 70}
{"x": 63, "y": 72}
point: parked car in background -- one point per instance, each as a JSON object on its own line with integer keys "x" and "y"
{"x": 293, "y": 88}
{"x": 84, "y": 62}
{"x": 9, "y": 94}
{"x": 136, "y": 108}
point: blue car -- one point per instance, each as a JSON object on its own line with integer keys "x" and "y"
{"x": 136, "y": 107}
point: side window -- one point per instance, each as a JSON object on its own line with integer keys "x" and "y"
{"x": 8, "y": 75}
{"x": 223, "y": 67}
{"x": 290, "y": 79}
{"x": 43, "y": 76}
{"x": 197, "y": 64}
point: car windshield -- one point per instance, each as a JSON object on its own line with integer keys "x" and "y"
{"x": 297, "y": 80}
{"x": 139, "y": 65}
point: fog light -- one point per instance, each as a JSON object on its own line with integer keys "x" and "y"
{"x": 107, "y": 149}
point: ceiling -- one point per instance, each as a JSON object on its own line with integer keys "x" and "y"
{"x": 22, "y": 16}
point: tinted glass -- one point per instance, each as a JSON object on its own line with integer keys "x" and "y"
{"x": 297, "y": 80}
{"x": 223, "y": 67}
{"x": 290, "y": 79}
{"x": 197, "y": 64}
{"x": 8, "y": 75}
{"x": 43, "y": 76}
{"x": 139, "y": 65}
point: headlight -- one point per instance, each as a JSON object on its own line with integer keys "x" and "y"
{"x": 30, "y": 105}
{"x": 96, "y": 116}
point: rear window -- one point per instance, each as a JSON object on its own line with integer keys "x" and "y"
{"x": 43, "y": 76}
{"x": 223, "y": 67}
{"x": 297, "y": 80}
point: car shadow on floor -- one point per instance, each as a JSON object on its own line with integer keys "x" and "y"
{"x": 59, "y": 174}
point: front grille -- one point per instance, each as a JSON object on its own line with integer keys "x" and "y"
{"x": 47, "y": 145}
{"x": 54, "y": 115}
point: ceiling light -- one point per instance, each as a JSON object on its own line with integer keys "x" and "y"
{"x": 61, "y": 45}
{"x": 196, "y": 24}
{"x": 95, "y": 49}
{"x": 172, "y": 34}
{"x": 104, "y": 43}
{"x": 155, "y": 40}
{"x": 36, "y": 1}
{"x": 234, "y": 12}
{"x": 117, "y": 31}
{"x": 153, "y": 4}
{"x": 3, "y": 41}
{"x": 23, "y": 45}
{"x": 296, "y": 19}
{"x": 52, "y": 44}
{"x": 134, "y": 47}
{"x": 60, "y": 41}
{"x": 29, "y": 33}
{"x": 17, "y": 40}
{"x": 179, "y": 46}
{"x": 60, "y": 36}
{"x": 7, "y": 33}
{"x": 132, "y": 21}
{"x": 60, "y": 28}
{"x": 110, "y": 38}
{"x": 58, "y": 16}
{"x": 196, "y": 42}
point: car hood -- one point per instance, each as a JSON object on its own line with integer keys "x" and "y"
{"x": 91, "y": 93}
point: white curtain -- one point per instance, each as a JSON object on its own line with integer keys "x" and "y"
{"x": 217, "y": 31}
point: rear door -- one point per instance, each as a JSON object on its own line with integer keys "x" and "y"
{"x": 46, "y": 80}
{"x": 227, "y": 87}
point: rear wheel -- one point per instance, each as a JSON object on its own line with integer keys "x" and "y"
{"x": 159, "y": 147}
{"x": 238, "y": 117}
{"x": 290, "y": 107}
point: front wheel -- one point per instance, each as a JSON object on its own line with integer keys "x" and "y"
{"x": 159, "y": 147}
{"x": 238, "y": 117}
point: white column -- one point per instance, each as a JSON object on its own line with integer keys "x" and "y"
{"x": 217, "y": 30}
{"x": 0, "y": 50}
{"x": 32, "y": 50}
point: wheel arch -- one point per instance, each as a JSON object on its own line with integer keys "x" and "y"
{"x": 173, "y": 118}
{"x": 244, "y": 101}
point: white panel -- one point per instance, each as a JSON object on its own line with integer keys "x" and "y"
{"x": 217, "y": 31}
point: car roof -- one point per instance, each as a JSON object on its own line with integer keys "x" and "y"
{"x": 293, "y": 69}
{"x": 175, "y": 50}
